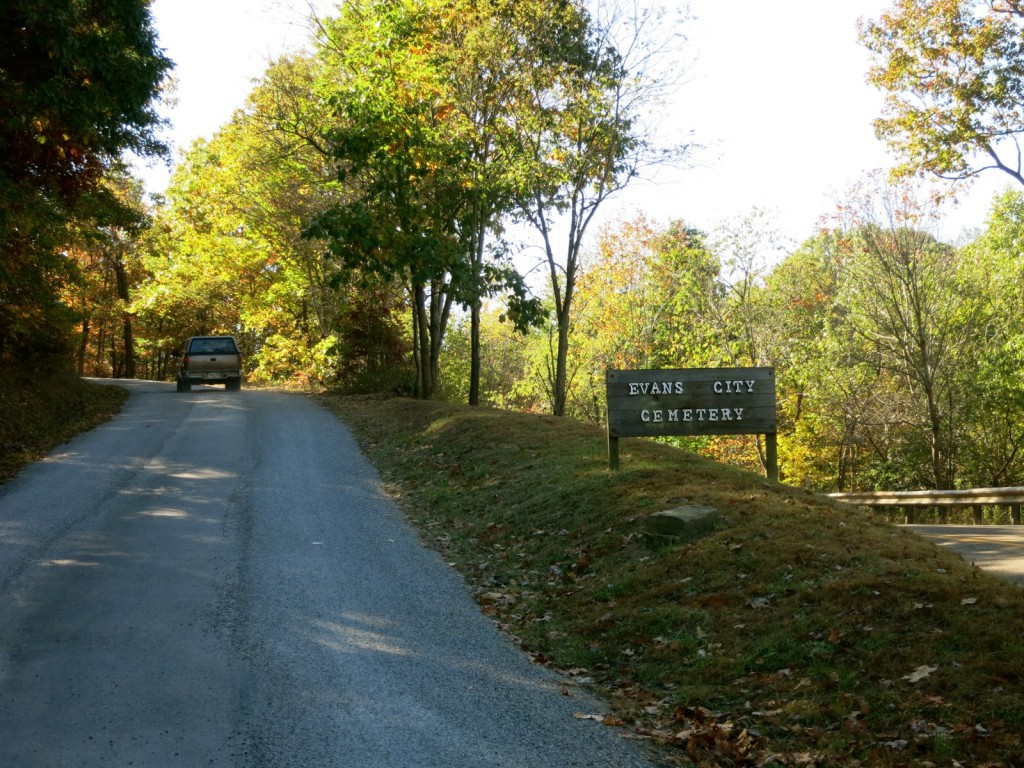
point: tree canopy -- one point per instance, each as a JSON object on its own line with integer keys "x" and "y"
{"x": 78, "y": 85}
{"x": 451, "y": 116}
{"x": 953, "y": 74}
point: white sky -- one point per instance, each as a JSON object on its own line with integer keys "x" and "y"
{"x": 776, "y": 91}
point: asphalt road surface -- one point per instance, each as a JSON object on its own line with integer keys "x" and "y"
{"x": 213, "y": 579}
{"x": 998, "y": 549}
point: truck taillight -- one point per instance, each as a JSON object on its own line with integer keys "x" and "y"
{"x": 184, "y": 362}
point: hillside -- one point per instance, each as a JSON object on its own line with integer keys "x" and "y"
{"x": 42, "y": 405}
{"x": 795, "y": 633}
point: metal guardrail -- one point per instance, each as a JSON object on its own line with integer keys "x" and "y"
{"x": 973, "y": 497}
{"x": 970, "y": 497}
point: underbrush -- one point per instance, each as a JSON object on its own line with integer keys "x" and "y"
{"x": 797, "y": 632}
{"x": 42, "y": 405}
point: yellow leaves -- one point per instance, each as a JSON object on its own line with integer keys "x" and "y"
{"x": 444, "y": 111}
{"x": 557, "y": 155}
{"x": 944, "y": 68}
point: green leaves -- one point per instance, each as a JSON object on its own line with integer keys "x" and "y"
{"x": 953, "y": 71}
{"x": 448, "y": 115}
{"x": 77, "y": 86}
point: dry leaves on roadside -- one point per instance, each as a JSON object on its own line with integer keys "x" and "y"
{"x": 708, "y": 739}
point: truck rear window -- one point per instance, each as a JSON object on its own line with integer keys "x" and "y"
{"x": 212, "y": 347}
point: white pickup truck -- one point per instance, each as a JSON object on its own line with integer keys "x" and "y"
{"x": 208, "y": 360}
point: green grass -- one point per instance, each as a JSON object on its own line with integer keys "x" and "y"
{"x": 792, "y": 630}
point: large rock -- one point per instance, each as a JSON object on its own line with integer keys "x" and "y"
{"x": 680, "y": 524}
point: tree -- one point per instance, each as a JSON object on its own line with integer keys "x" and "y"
{"x": 743, "y": 321}
{"x": 482, "y": 47}
{"x": 585, "y": 137}
{"x": 78, "y": 83}
{"x": 390, "y": 148}
{"x": 424, "y": 96}
{"x": 686, "y": 277}
{"x": 640, "y": 303}
{"x": 317, "y": 318}
{"x": 229, "y": 253}
{"x": 993, "y": 453}
{"x": 109, "y": 264}
{"x": 916, "y": 317}
{"x": 837, "y": 411}
{"x": 505, "y": 361}
{"x": 201, "y": 266}
{"x": 447, "y": 114}
{"x": 953, "y": 71}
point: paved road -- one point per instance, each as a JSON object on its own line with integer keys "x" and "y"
{"x": 995, "y": 548}
{"x": 213, "y": 579}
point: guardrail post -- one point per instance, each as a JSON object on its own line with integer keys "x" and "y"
{"x": 943, "y": 515}
{"x": 908, "y": 515}
{"x": 977, "y": 509}
{"x": 1015, "y": 513}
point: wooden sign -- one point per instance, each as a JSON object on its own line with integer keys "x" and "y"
{"x": 691, "y": 401}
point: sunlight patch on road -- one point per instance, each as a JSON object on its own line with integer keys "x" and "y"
{"x": 204, "y": 474}
{"x": 163, "y": 513}
{"x": 351, "y": 640}
{"x": 71, "y": 563}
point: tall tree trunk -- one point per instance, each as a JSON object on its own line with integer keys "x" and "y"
{"x": 563, "y": 313}
{"x": 129, "y": 348}
{"x": 440, "y": 310}
{"x": 83, "y": 346}
{"x": 129, "y": 338}
{"x": 474, "y": 320}
{"x": 474, "y": 355}
{"x": 941, "y": 476}
{"x": 560, "y": 384}
{"x": 421, "y": 342}
{"x": 101, "y": 350}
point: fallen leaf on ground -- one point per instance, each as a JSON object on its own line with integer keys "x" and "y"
{"x": 609, "y": 720}
{"x": 919, "y": 674}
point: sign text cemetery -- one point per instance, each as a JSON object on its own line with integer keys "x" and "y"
{"x": 692, "y": 401}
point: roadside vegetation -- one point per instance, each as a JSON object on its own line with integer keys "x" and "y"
{"x": 415, "y": 203}
{"x": 797, "y": 632}
{"x": 352, "y": 227}
{"x": 44, "y": 405}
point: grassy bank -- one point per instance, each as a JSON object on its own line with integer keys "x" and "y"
{"x": 43, "y": 406}
{"x": 795, "y": 633}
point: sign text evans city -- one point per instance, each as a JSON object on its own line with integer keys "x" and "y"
{"x": 690, "y": 401}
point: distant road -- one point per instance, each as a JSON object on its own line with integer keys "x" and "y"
{"x": 214, "y": 579}
{"x": 996, "y": 548}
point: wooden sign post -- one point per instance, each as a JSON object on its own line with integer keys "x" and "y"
{"x": 692, "y": 401}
